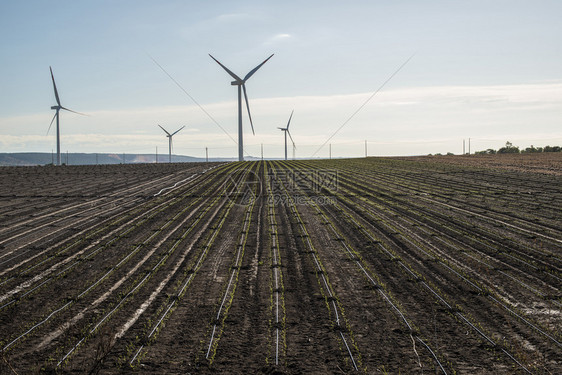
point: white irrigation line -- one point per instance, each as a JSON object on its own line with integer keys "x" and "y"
{"x": 383, "y": 294}
{"x": 470, "y": 282}
{"x": 486, "y": 245}
{"x": 275, "y": 263}
{"x": 494, "y": 259}
{"x": 65, "y": 261}
{"x": 218, "y": 315}
{"x": 461, "y": 315}
{"x": 88, "y": 203}
{"x": 236, "y": 270}
{"x": 186, "y": 180}
{"x": 176, "y": 184}
{"x": 433, "y": 354}
{"x": 526, "y": 321}
{"x": 68, "y": 259}
{"x": 448, "y": 306}
{"x": 51, "y": 214}
{"x": 139, "y": 284}
{"x": 36, "y": 325}
{"x": 327, "y": 288}
{"x": 161, "y": 286}
{"x": 494, "y": 219}
{"x": 475, "y": 213}
{"x": 534, "y": 290}
{"x": 131, "y": 292}
{"x": 51, "y": 278}
{"x": 321, "y": 272}
{"x": 66, "y": 239}
{"x": 99, "y": 300}
{"x": 187, "y": 281}
{"x": 72, "y": 225}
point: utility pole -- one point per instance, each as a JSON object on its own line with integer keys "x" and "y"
{"x": 469, "y": 146}
{"x": 365, "y": 148}
{"x": 330, "y": 151}
{"x": 262, "y": 151}
{"x": 206, "y": 154}
{"x": 463, "y": 152}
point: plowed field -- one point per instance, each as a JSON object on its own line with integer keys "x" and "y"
{"x": 415, "y": 265}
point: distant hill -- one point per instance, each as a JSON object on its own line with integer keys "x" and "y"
{"x": 43, "y": 158}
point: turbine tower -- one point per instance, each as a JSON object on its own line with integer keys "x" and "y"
{"x": 241, "y": 83}
{"x": 286, "y": 130}
{"x": 57, "y": 108}
{"x": 170, "y": 140}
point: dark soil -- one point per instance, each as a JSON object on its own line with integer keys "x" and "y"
{"x": 403, "y": 265}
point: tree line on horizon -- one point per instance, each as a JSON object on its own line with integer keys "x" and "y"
{"x": 509, "y": 148}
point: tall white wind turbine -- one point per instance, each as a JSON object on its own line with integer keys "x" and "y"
{"x": 170, "y": 140}
{"x": 241, "y": 83}
{"x": 57, "y": 108}
{"x": 286, "y": 131}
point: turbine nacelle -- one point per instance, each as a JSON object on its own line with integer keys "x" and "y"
{"x": 287, "y": 132}
{"x": 241, "y": 83}
{"x": 57, "y": 108}
{"x": 170, "y": 142}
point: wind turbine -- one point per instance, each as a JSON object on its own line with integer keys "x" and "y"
{"x": 241, "y": 83}
{"x": 286, "y": 130}
{"x": 170, "y": 140}
{"x": 57, "y": 108}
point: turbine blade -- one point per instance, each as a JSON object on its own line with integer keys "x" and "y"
{"x": 70, "y": 110}
{"x": 281, "y": 128}
{"x": 248, "y": 107}
{"x": 251, "y": 72}
{"x": 288, "y": 132}
{"x": 290, "y": 119}
{"x": 227, "y": 70}
{"x": 165, "y": 130}
{"x": 177, "y": 131}
{"x": 51, "y": 124}
{"x": 55, "y": 86}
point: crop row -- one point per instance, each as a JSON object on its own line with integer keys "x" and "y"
{"x": 355, "y": 208}
{"x": 374, "y": 281}
{"x": 341, "y": 324}
{"x": 277, "y": 287}
{"x": 443, "y": 227}
{"x": 132, "y": 220}
{"x": 190, "y": 271}
{"x": 503, "y": 199}
{"x": 100, "y": 280}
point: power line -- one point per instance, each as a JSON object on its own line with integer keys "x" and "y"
{"x": 364, "y": 103}
{"x": 193, "y": 99}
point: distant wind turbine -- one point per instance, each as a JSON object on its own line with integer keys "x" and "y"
{"x": 241, "y": 83}
{"x": 58, "y": 107}
{"x": 286, "y": 130}
{"x": 170, "y": 140}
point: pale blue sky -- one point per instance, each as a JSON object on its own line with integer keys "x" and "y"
{"x": 489, "y": 70}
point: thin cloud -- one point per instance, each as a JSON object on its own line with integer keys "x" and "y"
{"x": 415, "y": 120}
{"x": 232, "y": 17}
{"x": 277, "y": 39}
